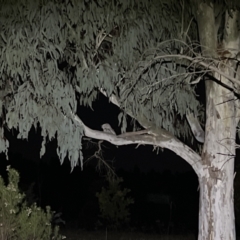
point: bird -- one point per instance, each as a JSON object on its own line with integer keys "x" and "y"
{"x": 108, "y": 129}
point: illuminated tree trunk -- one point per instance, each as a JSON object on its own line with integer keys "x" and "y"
{"x": 216, "y": 210}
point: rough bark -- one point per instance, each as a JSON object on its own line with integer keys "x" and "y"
{"x": 216, "y": 210}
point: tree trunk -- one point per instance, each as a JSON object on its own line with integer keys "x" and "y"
{"x": 216, "y": 210}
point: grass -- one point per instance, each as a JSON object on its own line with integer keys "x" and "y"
{"x": 101, "y": 235}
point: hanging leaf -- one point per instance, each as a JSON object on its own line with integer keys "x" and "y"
{"x": 48, "y": 49}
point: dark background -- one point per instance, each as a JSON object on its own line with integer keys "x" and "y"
{"x": 143, "y": 170}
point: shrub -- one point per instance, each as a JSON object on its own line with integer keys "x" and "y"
{"x": 114, "y": 204}
{"x": 19, "y": 221}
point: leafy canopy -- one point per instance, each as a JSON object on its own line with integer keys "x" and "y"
{"x": 58, "y": 54}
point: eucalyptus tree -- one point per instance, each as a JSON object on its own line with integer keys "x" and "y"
{"x": 148, "y": 58}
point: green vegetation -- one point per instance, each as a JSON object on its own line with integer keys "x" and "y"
{"x": 17, "y": 219}
{"x": 114, "y": 204}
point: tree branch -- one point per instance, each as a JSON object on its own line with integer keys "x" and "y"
{"x": 164, "y": 141}
{"x": 196, "y": 127}
{"x": 199, "y": 61}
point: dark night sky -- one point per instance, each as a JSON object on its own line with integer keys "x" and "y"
{"x": 126, "y": 157}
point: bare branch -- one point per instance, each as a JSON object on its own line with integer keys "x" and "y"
{"x": 199, "y": 61}
{"x": 196, "y": 127}
{"x": 101, "y": 161}
{"x": 164, "y": 141}
{"x": 112, "y": 98}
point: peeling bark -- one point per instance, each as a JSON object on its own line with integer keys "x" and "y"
{"x": 216, "y": 210}
{"x": 196, "y": 127}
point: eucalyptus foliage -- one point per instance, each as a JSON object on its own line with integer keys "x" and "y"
{"x": 58, "y": 54}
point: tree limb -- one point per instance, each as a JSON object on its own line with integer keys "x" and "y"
{"x": 195, "y": 127}
{"x": 163, "y": 141}
{"x": 199, "y": 61}
{"x": 193, "y": 121}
